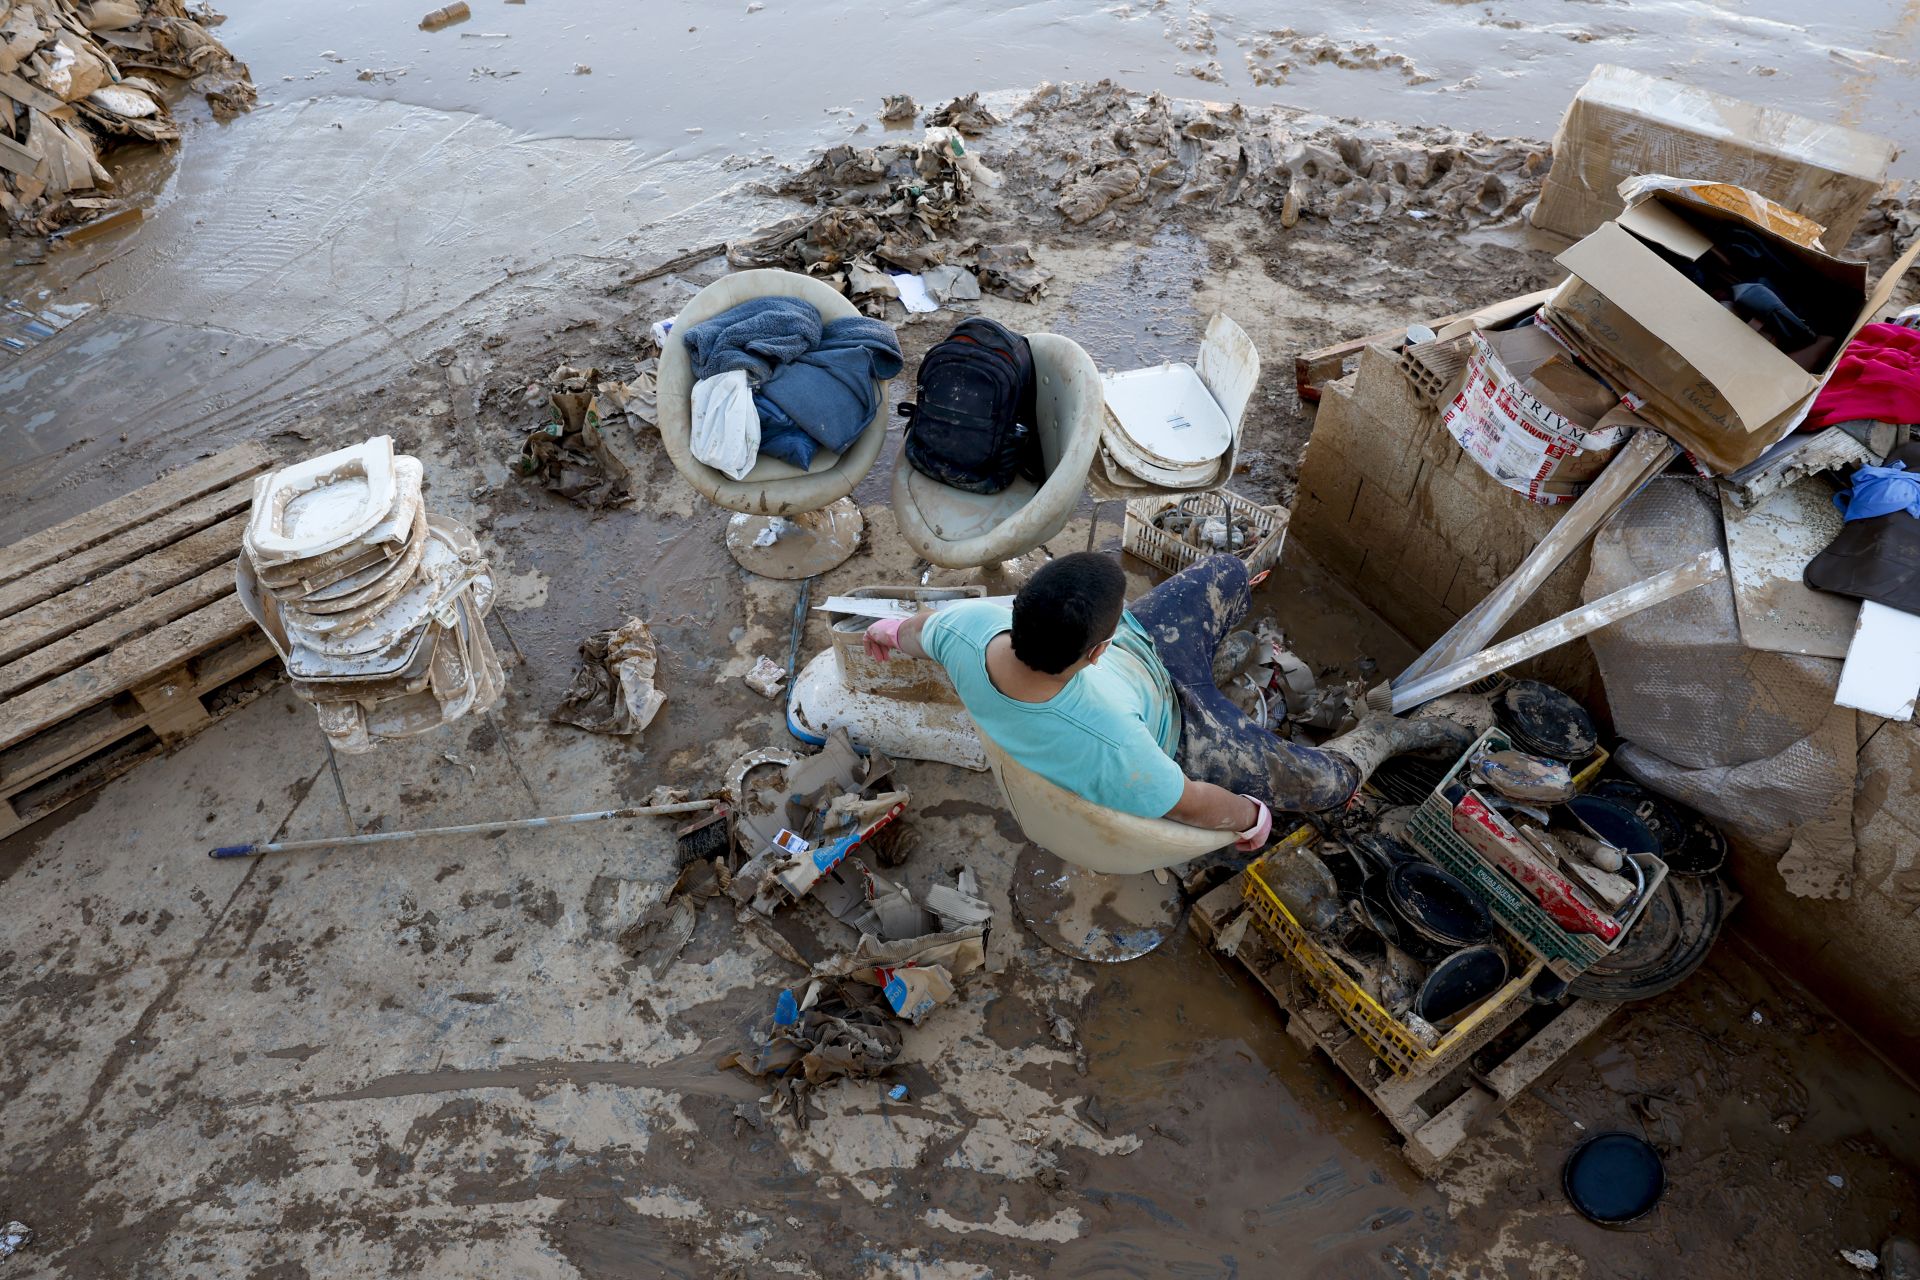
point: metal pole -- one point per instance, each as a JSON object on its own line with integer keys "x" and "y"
{"x": 471, "y": 828}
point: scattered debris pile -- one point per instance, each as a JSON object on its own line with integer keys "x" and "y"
{"x": 568, "y": 454}
{"x": 76, "y": 77}
{"x": 828, "y": 805}
{"x": 838, "y": 1029}
{"x": 965, "y": 114}
{"x": 803, "y": 838}
{"x": 1168, "y": 154}
{"x": 893, "y": 208}
{"x": 377, "y": 607}
{"x": 897, "y": 210}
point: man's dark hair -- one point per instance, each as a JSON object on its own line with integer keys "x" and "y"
{"x": 1068, "y": 606}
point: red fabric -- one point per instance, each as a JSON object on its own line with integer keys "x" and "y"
{"x": 1877, "y": 377}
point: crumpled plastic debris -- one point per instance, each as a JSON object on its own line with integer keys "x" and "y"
{"x": 839, "y": 1029}
{"x": 638, "y": 397}
{"x": 959, "y": 905}
{"x": 1010, "y": 271}
{"x": 1090, "y": 195}
{"x": 965, "y": 114}
{"x": 13, "y": 1236}
{"x": 898, "y": 108}
{"x": 766, "y": 677}
{"x": 569, "y": 455}
{"x": 870, "y": 287}
{"x": 613, "y": 690}
{"x": 913, "y": 974}
{"x": 951, "y": 284}
{"x": 889, "y": 912}
{"x": 661, "y": 933}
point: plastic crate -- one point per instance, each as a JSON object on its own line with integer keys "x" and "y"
{"x": 1432, "y": 833}
{"x": 1391, "y": 1040}
{"x": 1165, "y": 551}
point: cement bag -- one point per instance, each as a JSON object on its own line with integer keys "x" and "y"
{"x": 726, "y": 425}
{"x": 1750, "y": 738}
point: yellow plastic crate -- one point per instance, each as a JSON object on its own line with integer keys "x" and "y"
{"x": 1389, "y": 1038}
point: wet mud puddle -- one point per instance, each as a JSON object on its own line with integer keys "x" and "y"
{"x": 399, "y": 189}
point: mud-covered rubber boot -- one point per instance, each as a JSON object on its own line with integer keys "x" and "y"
{"x": 1380, "y": 737}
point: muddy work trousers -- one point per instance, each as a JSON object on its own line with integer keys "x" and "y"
{"x": 1188, "y": 616}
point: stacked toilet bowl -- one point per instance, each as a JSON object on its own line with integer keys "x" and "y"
{"x": 377, "y": 606}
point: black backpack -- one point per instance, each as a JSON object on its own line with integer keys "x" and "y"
{"x": 971, "y": 426}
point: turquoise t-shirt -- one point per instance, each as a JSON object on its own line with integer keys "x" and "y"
{"x": 1110, "y": 735}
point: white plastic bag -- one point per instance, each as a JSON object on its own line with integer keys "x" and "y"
{"x": 726, "y": 425}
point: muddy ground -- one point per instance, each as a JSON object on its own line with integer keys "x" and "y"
{"x": 436, "y": 1059}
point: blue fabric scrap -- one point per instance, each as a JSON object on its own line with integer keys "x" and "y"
{"x": 1880, "y": 491}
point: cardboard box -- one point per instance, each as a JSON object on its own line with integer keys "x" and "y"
{"x": 1531, "y": 417}
{"x": 1623, "y": 123}
{"x": 1692, "y": 367}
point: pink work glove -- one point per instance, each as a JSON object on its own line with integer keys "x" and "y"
{"x": 883, "y": 637}
{"x": 1254, "y": 838}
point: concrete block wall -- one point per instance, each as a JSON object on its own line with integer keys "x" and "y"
{"x": 1390, "y": 504}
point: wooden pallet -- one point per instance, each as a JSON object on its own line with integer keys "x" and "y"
{"x": 121, "y": 635}
{"x": 1438, "y": 1110}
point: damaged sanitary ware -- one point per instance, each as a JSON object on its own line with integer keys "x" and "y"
{"x": 376, "y": 605}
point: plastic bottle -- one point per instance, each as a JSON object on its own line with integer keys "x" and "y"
{"x": 447, "y": 16}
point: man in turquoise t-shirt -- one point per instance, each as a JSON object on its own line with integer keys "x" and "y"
{"x": 1110, "y": 703}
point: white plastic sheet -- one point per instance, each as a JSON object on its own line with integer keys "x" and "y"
{"x": 726, "y": 425}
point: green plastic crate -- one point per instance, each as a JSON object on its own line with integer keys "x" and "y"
{"x": 1566, "y": 954}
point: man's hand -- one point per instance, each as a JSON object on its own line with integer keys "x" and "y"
{"x": 1255, "y": 838}
{"x": 903, "y": 634}
{"x": 883, "y": 637}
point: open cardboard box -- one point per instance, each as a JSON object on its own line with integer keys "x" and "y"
{"x": 1720, "y": 389}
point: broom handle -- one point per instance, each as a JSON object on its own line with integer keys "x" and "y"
{"x": 470, "y": 828}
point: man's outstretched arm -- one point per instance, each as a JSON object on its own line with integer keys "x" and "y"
{"x": 1217, "y": 809}
{"x": 892, "y": 633}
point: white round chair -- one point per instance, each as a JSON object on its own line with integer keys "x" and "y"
{"x": 1076, "y": 830}
{"x": 790, "y": 523}
{"x": 959, "y": 530}
{"x": 1084, "y": 886}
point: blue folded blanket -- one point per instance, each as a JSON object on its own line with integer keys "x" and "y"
{"x": 813, "y": 383}
{"x": 826, "y": 397}
{"x": 757, "y": 336}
